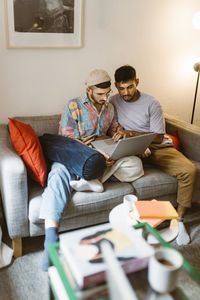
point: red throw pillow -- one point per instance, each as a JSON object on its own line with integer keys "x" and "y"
{"x": 27, "y": 145}
{"x": 175, "y": 140}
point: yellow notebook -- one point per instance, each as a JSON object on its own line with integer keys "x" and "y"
{"x": 155, "y": 209}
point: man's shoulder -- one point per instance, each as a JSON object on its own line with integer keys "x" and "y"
{"x": 148, "y": 97}
{"x": 114, "y": 98}
{"x": 76, "y": 101}
{"x": 149, "y": 100}
{"x": 110, "y": 106}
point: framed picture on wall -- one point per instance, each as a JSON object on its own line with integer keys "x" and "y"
{"x": 44, "y": 23}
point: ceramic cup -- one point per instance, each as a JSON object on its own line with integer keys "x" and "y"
{"x": 163, "y": 269}
{"x": 128, "y": 201}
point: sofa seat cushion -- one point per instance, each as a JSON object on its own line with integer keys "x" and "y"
{"x": 82, "y": 203}
{"x": 154, "y": 184}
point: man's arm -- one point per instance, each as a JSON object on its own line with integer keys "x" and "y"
{"x": 68, "y": 123}
{"x": 122, "y": 133}
{"x": 114, "y": 124}
{"x": 157, "y": 140}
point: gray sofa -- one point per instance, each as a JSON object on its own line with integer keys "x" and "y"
{"x": 21, "y": 197}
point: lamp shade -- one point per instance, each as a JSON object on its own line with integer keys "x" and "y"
{"x": 197, "y": 67}
{"x": 196, "y": 20}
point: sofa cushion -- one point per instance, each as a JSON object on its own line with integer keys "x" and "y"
{"x": 42, "y": 124}
{"x": 175, "y": 140}
{"x": 78, "y": 158}
{"x": 154, "y": 183}
{"x": 82, "y": 203}
{"x": 27, "y": 145}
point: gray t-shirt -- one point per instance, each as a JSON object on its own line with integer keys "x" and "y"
{"x": 143, "y": 115}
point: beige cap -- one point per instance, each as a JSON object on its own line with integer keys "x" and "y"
{"x": 96, "y": 77}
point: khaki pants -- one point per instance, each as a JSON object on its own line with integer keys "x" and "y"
{"x": 174, "y": 163}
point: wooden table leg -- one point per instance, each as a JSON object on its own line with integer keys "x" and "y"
{"x": 17, "y": 247}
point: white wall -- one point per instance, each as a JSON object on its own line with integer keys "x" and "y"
{"x": 154, "y": 36}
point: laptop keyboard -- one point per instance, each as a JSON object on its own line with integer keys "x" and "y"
{"x": 109, "y": 142}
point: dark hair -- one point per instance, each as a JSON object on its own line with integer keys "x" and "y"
{"x": 125, "y": 73}
{"x": 103, "y": 85}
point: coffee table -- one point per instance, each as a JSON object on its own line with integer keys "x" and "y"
{"x": 137, "y": 279}
{"x": 119, "y": 217}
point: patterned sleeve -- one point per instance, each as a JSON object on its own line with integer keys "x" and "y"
{"x": 114, "y": 123}
{"x": 69, "y": 121}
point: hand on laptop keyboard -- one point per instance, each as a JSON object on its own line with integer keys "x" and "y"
{"x": 109, "y": 162}
{"x": 146, "y": 153}
{"x": 121, "y": 133}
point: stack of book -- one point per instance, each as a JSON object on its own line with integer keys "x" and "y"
{"x": 83, "y": 263}
{"x": 154, "y": 212}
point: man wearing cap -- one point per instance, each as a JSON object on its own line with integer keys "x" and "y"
{"x": 83, "y": 119}
{"x": 89, "y": 118}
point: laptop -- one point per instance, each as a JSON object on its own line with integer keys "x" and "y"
{"x": 124, "y": 147}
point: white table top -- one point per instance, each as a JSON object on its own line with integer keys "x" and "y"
{"x": 119, "y": 217}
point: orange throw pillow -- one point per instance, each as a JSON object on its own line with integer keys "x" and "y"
{"x": 27, "y": 145}
{"x": 175, "y": 140}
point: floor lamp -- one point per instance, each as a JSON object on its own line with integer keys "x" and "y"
{"x": 197, "y": 69}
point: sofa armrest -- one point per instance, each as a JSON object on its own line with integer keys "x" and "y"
{"x": 13, "y": 186}
{"x": 189, "y": 136}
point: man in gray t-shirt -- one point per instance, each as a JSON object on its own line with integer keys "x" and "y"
{"x": 139, "y": 113}
{"x": 143, "y": 115}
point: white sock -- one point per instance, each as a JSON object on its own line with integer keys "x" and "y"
{"x": 183, "y": 237}
{"x": 87, "y": 185}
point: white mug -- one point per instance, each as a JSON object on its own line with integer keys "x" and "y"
{"x": 163, "y": 269}
{"x": 128, "y": 201}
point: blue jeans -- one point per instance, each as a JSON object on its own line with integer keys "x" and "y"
{"x": 71, "y": 158}
{"x": 57, "y": 193}
{"x": 78, "y": 158}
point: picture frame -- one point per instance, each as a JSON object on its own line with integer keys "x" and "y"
{"x": 44, "y": 23}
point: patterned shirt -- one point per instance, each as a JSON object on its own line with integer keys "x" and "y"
{"x": 80, "y": 119}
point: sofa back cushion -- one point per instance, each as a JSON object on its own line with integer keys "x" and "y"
{"x": 42, "y": 124}
{"x": 175, "y": 139}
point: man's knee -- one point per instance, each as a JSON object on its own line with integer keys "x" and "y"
{"x": 59, "y": 177}
{"x": 190, "y": 170}
{"x": 59, "y": 170}
{"x": 194, "y": 172}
